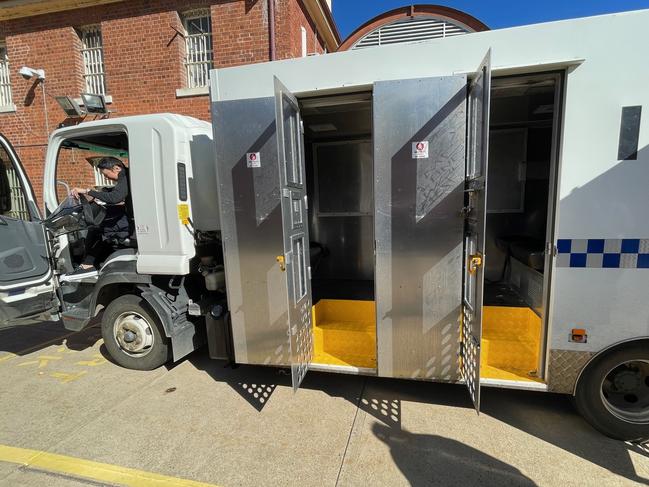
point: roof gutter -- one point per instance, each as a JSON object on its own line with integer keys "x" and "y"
{"x": 15, "y": 9}
{"x": 326, "y": 25}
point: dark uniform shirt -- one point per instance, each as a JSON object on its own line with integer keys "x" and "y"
{"x": 118, "y": 216}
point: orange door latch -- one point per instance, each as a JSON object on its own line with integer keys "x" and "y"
{"x": 282, "y": 262}
{"x": 475, "y": 261}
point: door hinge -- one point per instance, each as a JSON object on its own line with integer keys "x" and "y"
{"x": 282, "y": 262}
{"x": 474, "y": 185}
{"x": 550, "y": 249}
{"x": 466, "y": 211}
{"x": 286, "y": 193}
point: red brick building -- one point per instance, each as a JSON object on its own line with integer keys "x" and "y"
{"x": 145, "y": 56}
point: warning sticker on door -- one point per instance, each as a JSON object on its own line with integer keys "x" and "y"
{"x": 253, "y": 159}
{"x": 420, "y": 150}
{"x": 183, "y": 213}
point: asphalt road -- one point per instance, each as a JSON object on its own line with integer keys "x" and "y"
{"x": 70, "y": 417}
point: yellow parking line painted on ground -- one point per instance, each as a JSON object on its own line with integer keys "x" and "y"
{"x": 100, "y": 472}
{"x": 13, "y": 355}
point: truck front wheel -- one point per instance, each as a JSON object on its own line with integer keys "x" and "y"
{"x": 133, "y": 334}
{"x": 613, "y": 393}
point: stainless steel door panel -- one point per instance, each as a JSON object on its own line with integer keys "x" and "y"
{"x": 474, "y": 254}
{"x": 418, "y": 225}
{"x": 290, "y": 150}
{"x": 251, "y": 219}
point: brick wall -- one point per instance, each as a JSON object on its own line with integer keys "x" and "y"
{"x": 143, "y": 59}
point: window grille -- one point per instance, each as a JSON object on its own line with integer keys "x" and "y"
{"x": 5, "y": 82}
{"x": 198, "y": 47}
{"x": 18, "y": 203}
{"x": 101, "y": 180}
{"x": 411, "y": 30}
{"x": 92, "y": 50}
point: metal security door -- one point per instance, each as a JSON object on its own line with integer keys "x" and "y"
{"x": 419, "y": 174}
{"x": 296, "y": 259}
{"x": 474, "y": 237}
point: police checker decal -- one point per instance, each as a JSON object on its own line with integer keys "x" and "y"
{"x": 609, "y": 253}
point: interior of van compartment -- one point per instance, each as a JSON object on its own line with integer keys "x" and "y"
{"x": 340, "y": 186}
{"x": 518, "y": 207}
{"x": 339, "y": 171}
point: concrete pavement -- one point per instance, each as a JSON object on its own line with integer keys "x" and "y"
{"x": 202, "y": 421}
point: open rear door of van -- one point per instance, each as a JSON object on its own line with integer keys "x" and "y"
{"x": 264, "y": 228}
{"x": 290, "y": 144}
{"x": 477, "y": 156}
{"x": 26, "y": 284}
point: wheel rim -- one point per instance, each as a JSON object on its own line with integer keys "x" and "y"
{"x": 625, "y": 391}
{"x": 133, "y": 334}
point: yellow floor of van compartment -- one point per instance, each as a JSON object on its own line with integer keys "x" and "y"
{"x": 344, "y": 333}
{"x": 510, "y": 343}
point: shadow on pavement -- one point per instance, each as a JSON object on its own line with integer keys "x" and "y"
{"x": 435, "y": 460}
{"x": 29, "y": 338}
{"x": 549, "y": 417}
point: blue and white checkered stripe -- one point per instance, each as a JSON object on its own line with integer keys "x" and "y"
{"x": 610, "y": 253}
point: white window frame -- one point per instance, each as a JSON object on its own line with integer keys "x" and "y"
{"x": 92, "y": 52}
{"x": 6, "y": 100}
{"x": 199, "y": 51}
{"x": 305, "y": 51}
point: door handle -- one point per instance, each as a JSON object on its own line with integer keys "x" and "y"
{"x": 475, "y": 261}
{"x": 282, "y": 262}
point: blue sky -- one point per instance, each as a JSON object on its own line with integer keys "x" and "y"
{"x": 350, "y": 14}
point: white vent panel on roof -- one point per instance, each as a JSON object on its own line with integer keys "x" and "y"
{"x": 415, "y": 29}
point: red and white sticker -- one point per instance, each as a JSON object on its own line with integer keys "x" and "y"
{"x": 253, "y": 159}
{"x": 420, "y": 150}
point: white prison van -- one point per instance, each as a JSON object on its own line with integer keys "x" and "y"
{"x": 487, "y": 190}
{"x": 469, "y": 209}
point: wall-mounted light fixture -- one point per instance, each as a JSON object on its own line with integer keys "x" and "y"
{"x": 29, "y": 73}
{"x": 39, "y": 75}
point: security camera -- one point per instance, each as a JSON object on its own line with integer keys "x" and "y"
{"x": 29, "y": 73}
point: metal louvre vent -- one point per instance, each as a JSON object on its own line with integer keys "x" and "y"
{"x": 415, "y": 29}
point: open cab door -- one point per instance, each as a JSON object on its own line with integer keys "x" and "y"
{"x": 296, "y": 258}
{"x": 478, "y": 103}
{"x": 26, "y": 281}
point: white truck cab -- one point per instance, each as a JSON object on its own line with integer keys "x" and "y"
{"x": 172, "y": 173}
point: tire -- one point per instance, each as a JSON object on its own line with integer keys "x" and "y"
{"x": 133, "y": 334}
{"x": 613, "y": 393}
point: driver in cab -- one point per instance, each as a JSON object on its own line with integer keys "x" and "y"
{"x": 115, "y": 227}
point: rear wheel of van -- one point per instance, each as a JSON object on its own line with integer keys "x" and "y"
{"x": 613, "y": 393}
{"x": 133, "y": 334}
